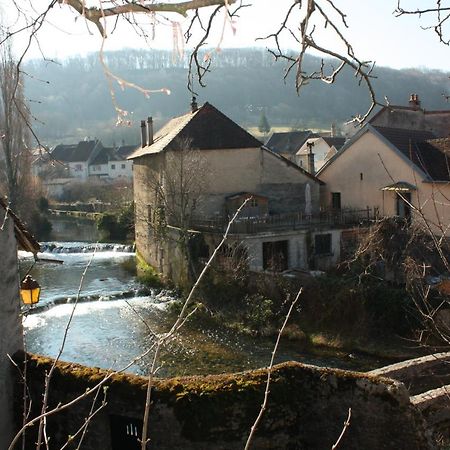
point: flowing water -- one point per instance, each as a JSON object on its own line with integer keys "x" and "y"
{"x": 115, "y": 317}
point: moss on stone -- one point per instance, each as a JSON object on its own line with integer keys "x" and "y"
{"x": 222, "y": 408}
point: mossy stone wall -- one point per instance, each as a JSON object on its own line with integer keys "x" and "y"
{"x": 306, "y": 410}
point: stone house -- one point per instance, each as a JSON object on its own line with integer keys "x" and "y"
{"x": 226, "y": 165}
{"x": 399, "y": 172}
{"x": 13, "y": 235}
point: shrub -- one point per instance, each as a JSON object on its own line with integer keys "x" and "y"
{"x": 259, "y": 312}
{"x": 117, "y": 226}
{"x": 40, "y": 226}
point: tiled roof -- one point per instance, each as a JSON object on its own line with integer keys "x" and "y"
{"x": 25, "y": 239}
{"x": 336, "y": 142}
{"x": 105, "y": 155}
{"x": 427, "y": 153}
{"x": 126, "y": 150}
{"x": 205, "y": 129}
{"x": 75, "y": 152}
{"x": 289, "y": 142}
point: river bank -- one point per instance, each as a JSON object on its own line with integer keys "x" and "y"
{"x": 112, "y": 322}
{"x": 229, "y": 333}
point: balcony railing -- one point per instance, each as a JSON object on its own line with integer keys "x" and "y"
{"x": 285, "y": 222}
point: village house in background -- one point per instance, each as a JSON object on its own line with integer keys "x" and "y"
{"x": 307, "y": 149}
{"x": 87, "y": 160}
{"x": 13, "y": 236}
{"x": 313, "y": 154}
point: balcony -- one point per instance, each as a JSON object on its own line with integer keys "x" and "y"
{"x": 286, "y": 222}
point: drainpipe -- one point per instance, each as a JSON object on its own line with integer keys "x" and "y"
{"x": 143, "y": 134}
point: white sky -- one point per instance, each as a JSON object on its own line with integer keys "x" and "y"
{"x": 373, "y": 31}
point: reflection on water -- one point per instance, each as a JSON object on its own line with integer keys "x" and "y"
{"x": 67, "y": 228}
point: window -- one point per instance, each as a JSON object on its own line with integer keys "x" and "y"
{"x": 322, "y": 244}
{"x": 125, "y": 433}
{"x": 113, "y": 166}
{"x": 123, "y": 166}
{"x": 336, "y": 200}
{"x": 253, "y": 202}
{"x": 275, "y": 256}
{"x": 361, "y": 176}
{"x": 78, "y": 167}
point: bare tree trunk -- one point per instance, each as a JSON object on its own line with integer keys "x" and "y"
{"x": 14, "y": 137}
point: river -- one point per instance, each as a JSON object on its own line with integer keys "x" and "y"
{"x": 112, "y": 322}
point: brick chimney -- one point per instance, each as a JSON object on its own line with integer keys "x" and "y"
{"x": 149, "y": 130}
{"x": 194, "y": 105}
{"x": 414, "y": 101}
{"x": 143, "y": 134}
{"x": 311, "y": 168}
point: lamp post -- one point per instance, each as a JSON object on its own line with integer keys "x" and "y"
{"x": 30, "y": 290}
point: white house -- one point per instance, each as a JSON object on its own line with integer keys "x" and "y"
{"x": 322, "y": 147}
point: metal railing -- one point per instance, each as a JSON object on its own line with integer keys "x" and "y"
{"x": 285, "y": 222}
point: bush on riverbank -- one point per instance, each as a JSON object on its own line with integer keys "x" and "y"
{"x": 333, "y": 309}
{"x": 118, "y": 226}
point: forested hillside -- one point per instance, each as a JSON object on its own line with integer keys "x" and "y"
{"x": 72, "y": 98}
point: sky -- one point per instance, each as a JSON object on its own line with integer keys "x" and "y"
{"x": 375, "y": 33}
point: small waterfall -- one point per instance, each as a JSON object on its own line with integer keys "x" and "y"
{"x": 162, "y": 297}
{"x": 84, "y": 247}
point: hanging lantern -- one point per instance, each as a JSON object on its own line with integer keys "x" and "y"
{"x": 30, "y": 290}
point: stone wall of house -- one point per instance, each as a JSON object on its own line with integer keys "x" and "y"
{"x": 145, "y": 180}
{"x": 298, "y": 242}
{"x": 11, "y": 339}
{"x": 254, "y": 170}
{"x": 306, "y": 409}
{"x": 326, "y": 260}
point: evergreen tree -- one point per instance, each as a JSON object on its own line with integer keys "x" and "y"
{"x": 263, "y": 126}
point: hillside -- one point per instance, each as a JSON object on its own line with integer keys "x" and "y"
{"x": 72, "y": 98}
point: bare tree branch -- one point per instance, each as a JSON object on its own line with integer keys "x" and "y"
{"x": 269, "y": 372}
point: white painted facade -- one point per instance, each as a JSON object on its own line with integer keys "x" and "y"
{"x": 321, "y": 151}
